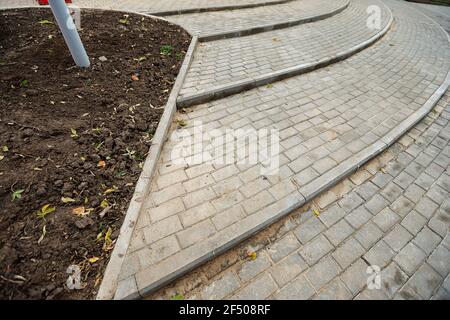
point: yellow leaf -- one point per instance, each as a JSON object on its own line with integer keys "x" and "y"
{"x": 46, "y": 209}
{"x": 182, "y": 123}
{"x": 2, "y": 157}
{"x": 316, "y": 212}
{"x": 67, "y": 200}
{"x": 110, "y": 190}
{"x": 252, "y": 255}
{"x": 93, "y": 259}
{"x": 80, "y": 211}
{"x": 104, "y": 203}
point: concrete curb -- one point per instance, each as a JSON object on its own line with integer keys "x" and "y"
{"x": 247, "y": 84}
{"x": 218, "y": 8}
{"x": 109, "y": 282}
{"x": 270, "y": 27}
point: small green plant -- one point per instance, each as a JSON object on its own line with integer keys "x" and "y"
{"x": 166, "y": 50}
{"x": 17, "y": 194}
{"x": 177, "y": 297}
{"x": 45, "y": 210}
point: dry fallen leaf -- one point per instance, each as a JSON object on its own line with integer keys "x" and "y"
{"x": 101, "y": 164}
{"x": 67, "y": 199}
{"x": 80, "y": 211}
{"x": 93, "y": 259}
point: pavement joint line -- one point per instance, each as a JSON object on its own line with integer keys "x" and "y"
{"x": 271, "y": 27}
{"x": 247, "y": 84}
{"x": 218, "y": 8}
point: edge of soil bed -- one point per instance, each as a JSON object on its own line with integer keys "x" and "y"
{"x": 109, "y": 282}
{"x": 108, "y": 286}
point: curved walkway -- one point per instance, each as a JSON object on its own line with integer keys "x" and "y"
{"x": 393, "y": 213}
{"x": 329, "y": 121}
{"x": 243, "y": 62}
{"x": 221, "y": 23}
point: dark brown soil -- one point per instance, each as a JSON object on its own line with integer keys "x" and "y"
{"x": 78, "y": 134}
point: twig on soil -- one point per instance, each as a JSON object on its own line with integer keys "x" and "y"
{"x": 23, "y": 125}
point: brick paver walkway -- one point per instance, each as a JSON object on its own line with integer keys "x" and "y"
{"x": 395, "y": 214}
{"x": 326, "y": 118}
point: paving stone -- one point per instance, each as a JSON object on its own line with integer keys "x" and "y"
{"x": 409, "y": 258}
{"x": 402, "y": 206}
{"x": 426, "y": 207}
{"x": 158, "y": 251}
{"x": 162, "y": 229}
{"x": 251, "y": 268}
{"x": 283, "y": 247}
{"x": 355, "y": 276}
{"x": 308, "y": 230}
{"x": 335, "y": 290}
{"x": 424, "y": 281}
{"x": 321, "y": 273}
{"x": 257, "y": 289}
{"x": 373, "y": 294}
{"x": 222, "y": 287}
{"x": 351, "y": 201}
{"x": 331, "y": 215}
{"x": 228, "y": 217}
{"x": 440, "y": 260}
{"x": 196, "y": 233}
{"x": 376, "y": 204}
{"x": 386, "y": 219}
{"x": 392, "y": 279}
{"x": 299, "y": 289}
{"x": 358, "y": 217}
{"x": 397, "y": 238}
{"x": 367, "y": 190}
{"x": 414, "y": 192}
{"x": 348, "y": 252}
{"x": 166, "y": 210}
{"x": 391, "y": 192}
{"x": 424, "y": 181}
{"x": 380, "y": 254}
{"x": 368, "y": 235}
{"x": 287, "y": 269}
{"x": 427, "y": 240}
{"x": 315, "y": 249}
{"x": 413, "y": 222}
{"x": 126, "y": 288}
{"x": 339, "y": 232}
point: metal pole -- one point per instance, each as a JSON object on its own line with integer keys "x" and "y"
{"x": 70, "y": 33}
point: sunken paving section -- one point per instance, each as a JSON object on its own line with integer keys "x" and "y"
{"x": 397, "y": 218}
{"x": 238, "y": 20}
{"x": 230, "y": 61}
{"x": 324, "y": 117}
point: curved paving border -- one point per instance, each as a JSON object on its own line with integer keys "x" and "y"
{"x": 235, "y": 87}
{"x": 240, "y": 32}
{"x": 151, "y": 277}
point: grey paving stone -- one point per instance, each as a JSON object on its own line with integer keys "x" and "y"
{"x": 382, "y": 179}
{"x": 251, "y": 268}
{"x": 351, "y": 201}
{"x": 403, "y": 180}
{"x": 348, "y": 252}
{"x": 424, "y": 181}
{"x": 316, "y": 249}
{"x": 441, "y": 294}
{"x": 374, "y": 294}
{"x": 196, "y": 233}
{"x": 424, "y": 281}
{"x": 392, "y": 279}
{"x": 386, "y": 219}
{"x": 402, "y": 206}
{"x": 368, "y": 235}
{"x": 397, "y": 238}
{"x": 414, "y": 222}
{"x": 437, "y": 193}
{"x": 339, "y": 232}
{"x": 358, "y": 217}
{"x": 261, "y": 288}
{"x": 376, "y": 204}
{"x": 440, "y": 260}
{"x": 355, "y": 276}
{"x": 414, "y": 192}
{"x": 410, "y": 258}
{"x": 126, "y": 288}
{"x": 331, "y": 215}
{"x": 283, "y": 247}
{"x": 287, "y": 269}
{"x": 367, "y": 190}
{"x": 335, "y": 290}
{"x": 299, "y": 289}
{"x": 220, "y": 288}
{"x": 380, "y": 254}
{"x": 391, "y": 192}
{"x": 427, "y": 240}
{"x": 308, "y": 230}
{"x": 162, "y": 229}
{"x": 426, "y": 207}
{"x": 321, "y": 273}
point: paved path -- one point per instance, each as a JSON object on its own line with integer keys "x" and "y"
{"x": 326, "y": 118}
{"x": 440, "y": 14}
{"x": 228, "y": 61}
{"x": 393, "y": 213}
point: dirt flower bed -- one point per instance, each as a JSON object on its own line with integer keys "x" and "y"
{"x": 73, "y": 142}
